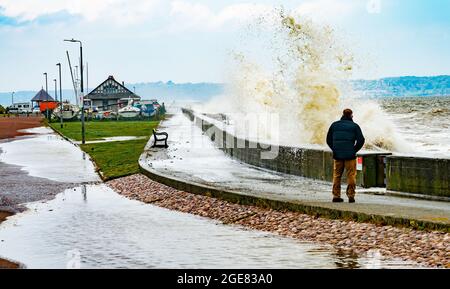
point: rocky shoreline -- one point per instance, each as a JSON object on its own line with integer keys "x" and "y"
{"x": 428, "y": 249}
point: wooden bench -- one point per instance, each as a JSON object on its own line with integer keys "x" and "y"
{"x": 160, "y": 136}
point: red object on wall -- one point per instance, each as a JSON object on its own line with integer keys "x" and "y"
{"x": 50, "y": 105}
{"x": 359, "y": 164}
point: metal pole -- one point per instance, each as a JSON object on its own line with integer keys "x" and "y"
{"x": 77, "y": 81}
{"x": 12, "y": 98}
{"x": 83, "y": 136}
{"x": 46, "y": 82}
{"x": 87, "y": 77}
{"x": 46, "y": 90}
{"x": 73, "y": 79}
{"x": 56, "y": 90}
{"x": 60, "y": 96}
{"x": 83, "y": 132}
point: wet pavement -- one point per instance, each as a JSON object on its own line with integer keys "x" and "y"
{"x": 47, "y": 155}
{"x": 109, "y": 231}
{"x": 38, "y": 167}
{"x": 17, "y": 188}
{"x": 92, "y": 226}
{"x": 191, "y": 156}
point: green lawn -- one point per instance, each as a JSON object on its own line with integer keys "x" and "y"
{"x": 96, "y": 130}
{"x": 114, "y": 159}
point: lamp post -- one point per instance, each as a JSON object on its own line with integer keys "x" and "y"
{"x": 46, "y": 90}
{"x": 60, "y": 96}
{"x": 83, "y": 137}
{"x": 12, "y": 98}
{"x": 56, "y": 91}
{"x": 46, "y": 82}
{"x": 87, "y": 77}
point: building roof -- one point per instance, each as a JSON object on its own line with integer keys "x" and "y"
{"x": 42, "y": 95}
{"x": 110, "y": 89}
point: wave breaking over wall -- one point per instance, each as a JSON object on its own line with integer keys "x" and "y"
{"x": 303, "y": 78}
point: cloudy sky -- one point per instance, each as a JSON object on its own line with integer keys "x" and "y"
{"x": 190, "y": 40}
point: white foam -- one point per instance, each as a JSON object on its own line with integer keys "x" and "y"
{"x": 305, "y": 86}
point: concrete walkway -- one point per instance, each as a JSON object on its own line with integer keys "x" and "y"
{"x": 192, "y": 158}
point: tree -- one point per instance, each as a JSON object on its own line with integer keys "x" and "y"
{"x": 2, "y": 110}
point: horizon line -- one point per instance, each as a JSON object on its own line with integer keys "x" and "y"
{"x": 224, "y": 83}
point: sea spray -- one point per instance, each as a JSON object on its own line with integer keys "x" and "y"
{"x": 305, "y": 83}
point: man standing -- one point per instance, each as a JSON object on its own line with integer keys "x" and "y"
{"x": 345, "y": 139}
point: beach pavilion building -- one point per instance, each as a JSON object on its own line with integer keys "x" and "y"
{"x": 110, "y": 95}
{"x": 42, "y": 96}
{"x": 43, "y": 100}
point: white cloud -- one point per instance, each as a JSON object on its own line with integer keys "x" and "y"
{"x": 183, "y": 14}
{"x": 199, "y": 16}
{"x": 328, "y": 10}
{"x": 119, "y": 11}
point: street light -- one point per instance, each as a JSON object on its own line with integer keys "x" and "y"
{"x": 46, "y": 82}
{"x": 56, "y": 91}
{"x": 60, "y": 96}
{"x": 46, "y": 90}
{"x": 83, "y": 138}
{"x": 12, "y": 98}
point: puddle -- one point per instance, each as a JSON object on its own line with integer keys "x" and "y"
{"x": 47, "y": 155}
{"x": 101, "y": 229}
{"x": 91, "y": 226}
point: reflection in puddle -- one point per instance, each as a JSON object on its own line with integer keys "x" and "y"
{"x": 94, "y": 227}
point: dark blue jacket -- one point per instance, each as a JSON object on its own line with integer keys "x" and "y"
{"x": 345, "y": 139}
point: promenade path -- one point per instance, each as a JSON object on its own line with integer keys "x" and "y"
{"x": 193, "y": 159}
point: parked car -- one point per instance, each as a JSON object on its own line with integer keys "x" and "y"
{"x": 20, "y": 108}
{"x": 36, "y": 109}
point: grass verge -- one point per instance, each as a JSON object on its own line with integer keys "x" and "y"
{"x": 113, "y": 159}
{"x": 116, "y": 159}
{"x": 96, "y": 130}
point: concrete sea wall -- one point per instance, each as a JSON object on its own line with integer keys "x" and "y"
{"x": 419, "y": 175}
{"x": 306, "y": 162}
{"x": 377, "y": 169}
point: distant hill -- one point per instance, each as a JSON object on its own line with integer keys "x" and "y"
{"x": 405, "y": 86}
{"x": 163, "y": 91}
{"x": 408, "y": 86}
{"x": 20, "y": 96}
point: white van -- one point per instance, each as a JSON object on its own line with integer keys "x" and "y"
{"x": 21, "y": 107}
